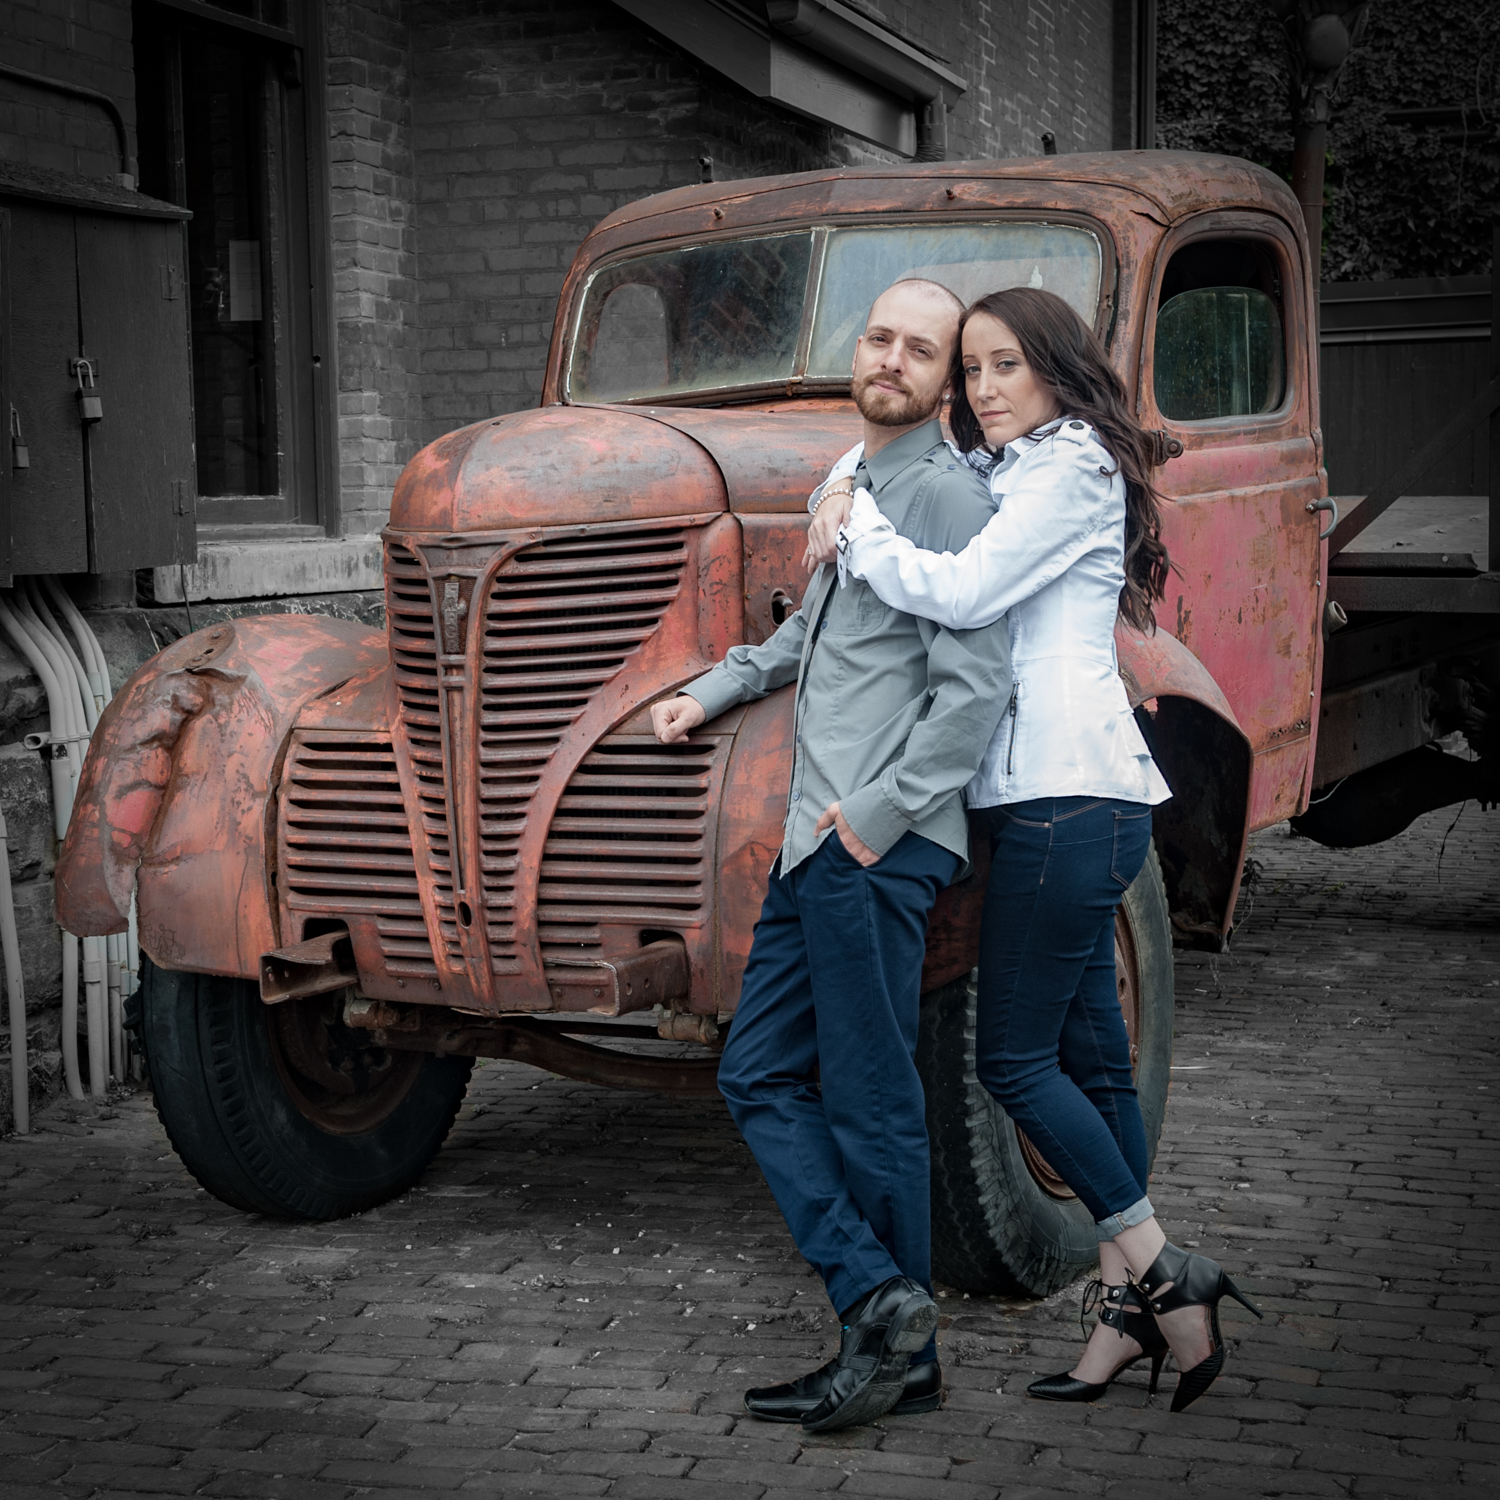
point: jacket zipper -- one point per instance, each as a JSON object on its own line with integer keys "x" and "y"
{"x": 1010, "y": 755}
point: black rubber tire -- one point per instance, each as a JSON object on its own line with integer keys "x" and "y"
{"x": 231, "y": 1117}
{"x": 994, "y": 1229}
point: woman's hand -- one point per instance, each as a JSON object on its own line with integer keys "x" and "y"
{"x": 823, "y": 534}
{"x": 833, "y": 818}
{"x": 674, "y": 719}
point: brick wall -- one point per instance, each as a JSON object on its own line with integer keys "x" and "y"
{"x": 530, "y": 122}
{"x": 85, "y": 42}
{"x": 373, "y": 188}
{"x": 1031, "y": 66}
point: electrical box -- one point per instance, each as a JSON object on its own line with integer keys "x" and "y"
{"x": 95, "y": 378}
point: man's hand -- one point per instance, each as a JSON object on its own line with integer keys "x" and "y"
{"x": 833, "y": 818}
{"x": 823, "y": 533}
{"x": 674, "y": 719}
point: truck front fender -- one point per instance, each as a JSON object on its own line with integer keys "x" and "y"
{"x": 1207, "y": 760}
{"x": 175, "y": 786}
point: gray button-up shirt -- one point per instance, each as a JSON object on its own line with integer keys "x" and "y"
{"x": 893, "y": 713}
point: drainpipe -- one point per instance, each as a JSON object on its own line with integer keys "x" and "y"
{"x": 126, "y": 175}
{"x": 1318, "y": 43}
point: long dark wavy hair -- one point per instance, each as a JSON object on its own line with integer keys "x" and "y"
{"x": 1068, "y": 357}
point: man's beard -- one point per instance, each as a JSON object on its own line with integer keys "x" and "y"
{"x": 892, "y": 409}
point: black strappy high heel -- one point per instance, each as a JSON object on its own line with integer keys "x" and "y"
{"x": 1123, "y": 1309}
{"x": 1192, "y": 1281}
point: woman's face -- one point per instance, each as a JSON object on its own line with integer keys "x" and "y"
{"x": 1006, "y": 394}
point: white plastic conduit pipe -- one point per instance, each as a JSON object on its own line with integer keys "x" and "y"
{"x": 101, "y": 969}
{"x": 15, "y": 993}
{"x": 47, "y": 634}
{"x": 56, "y": 718}
{"x": 74, "y": 702}
{"x": 117, "y": 946}
{"x": 120, "y": 947}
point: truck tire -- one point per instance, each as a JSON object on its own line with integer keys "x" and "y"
{"x": 1002, "y": 1221}
{"x": 282, "y": 1109}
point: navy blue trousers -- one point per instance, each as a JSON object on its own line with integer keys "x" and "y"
{"x": 1050, "y": 1040}
{"x": 818, "y": 1071}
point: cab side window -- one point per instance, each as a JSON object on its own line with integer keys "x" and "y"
{"x": 1220, "y": 348}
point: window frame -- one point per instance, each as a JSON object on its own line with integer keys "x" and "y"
{"x": 801, "y": 385}
{"x": 1276, "y": 238}
{"x": 292, "y": 177}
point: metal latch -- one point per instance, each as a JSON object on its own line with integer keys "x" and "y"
{"x": 1163, "y": 446}
{"x": 20, "y": 454}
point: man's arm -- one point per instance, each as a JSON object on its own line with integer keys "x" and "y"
{"x": 745, "y": 674}
{"x": 969, "y": 678}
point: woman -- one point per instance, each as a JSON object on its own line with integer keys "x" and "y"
{"x": 1066, "y": 789}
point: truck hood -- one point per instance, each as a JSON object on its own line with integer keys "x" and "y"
{"x": 566, "y": 465}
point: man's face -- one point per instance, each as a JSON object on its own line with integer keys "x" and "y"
{"x": 901, "y": 360}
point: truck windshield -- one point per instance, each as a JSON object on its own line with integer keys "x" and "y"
{"x": 786, "y": 309}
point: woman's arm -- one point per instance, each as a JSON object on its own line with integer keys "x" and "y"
{"x": 1054, "y": 506}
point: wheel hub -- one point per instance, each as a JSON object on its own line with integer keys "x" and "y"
{"x": 332, "y": 1074}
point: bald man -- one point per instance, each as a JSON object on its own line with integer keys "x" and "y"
{"x": 893, "y": 715}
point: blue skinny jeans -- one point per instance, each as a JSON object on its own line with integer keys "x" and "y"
{"x": 1051, "y": 1042}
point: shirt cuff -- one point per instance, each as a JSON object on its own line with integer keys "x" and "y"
{"x": 875, "y": 818}
{"x": 718, "y": 691}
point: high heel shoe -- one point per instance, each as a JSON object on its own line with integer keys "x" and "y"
{"x": 1192, "y": 1281}
{"x": 1123, "y": 1309}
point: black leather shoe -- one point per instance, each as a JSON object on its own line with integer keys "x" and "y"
{"x": 869, "y": 1376}
{"x": 791, "y": 1402}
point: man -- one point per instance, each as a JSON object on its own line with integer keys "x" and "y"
{"x": 893, "y": 715}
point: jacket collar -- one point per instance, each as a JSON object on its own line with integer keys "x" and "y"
{"x": 903, "y": 453}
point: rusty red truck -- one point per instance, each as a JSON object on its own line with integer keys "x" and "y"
{"x": 362, "y": 860}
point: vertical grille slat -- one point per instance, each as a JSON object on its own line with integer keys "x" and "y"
{"x": 345, "y": 845}
{"x": 414, "y": 664}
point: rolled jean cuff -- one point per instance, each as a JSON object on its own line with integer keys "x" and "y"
{"x": 1128, "y": 1218}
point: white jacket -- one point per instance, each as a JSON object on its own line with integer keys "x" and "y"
{"x": 1053, "y": 559}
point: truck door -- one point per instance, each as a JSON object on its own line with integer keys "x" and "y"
{"x": 1228, "y": 369}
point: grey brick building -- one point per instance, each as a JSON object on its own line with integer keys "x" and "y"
{"x": 385, "y": 196}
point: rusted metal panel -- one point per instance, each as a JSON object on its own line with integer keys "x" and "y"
{"x": 775, "y": 579}
{"x": 1245, "y": 596}
{"x": 593, "y": 465}
{"x": 313, "y": 967}
{"x": 655, "y": 975}
{"x": 1374, "y": 721}
{"x": 177, "y": 784}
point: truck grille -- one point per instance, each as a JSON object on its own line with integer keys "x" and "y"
{"x": 345, "y": 847}
{"x": 627, "y": 842}
{"x": 561, "y": 619}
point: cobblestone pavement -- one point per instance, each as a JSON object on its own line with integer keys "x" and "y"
{"x": 573, "y": 1300}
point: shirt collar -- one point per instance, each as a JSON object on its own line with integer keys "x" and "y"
{"x": 904, "y": 452}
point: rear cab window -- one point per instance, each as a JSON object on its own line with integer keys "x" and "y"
{"x": 1220, "y": 341}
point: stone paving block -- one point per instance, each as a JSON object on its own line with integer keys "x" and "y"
{"x": 1335, "y": 1148}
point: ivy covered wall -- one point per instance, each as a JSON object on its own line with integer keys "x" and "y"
{"x": 1400, "y": 200}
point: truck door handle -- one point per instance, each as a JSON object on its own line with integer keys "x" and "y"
{"x": 1314, "y": 506}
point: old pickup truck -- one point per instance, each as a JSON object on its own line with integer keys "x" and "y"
{"x": 363, "y": 860}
